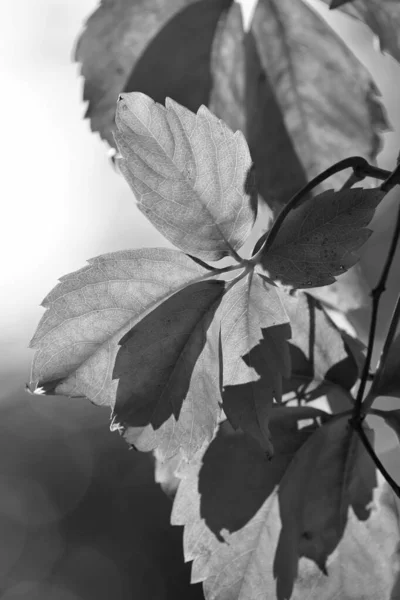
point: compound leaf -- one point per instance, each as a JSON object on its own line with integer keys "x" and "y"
{"x": 299, "y": 526}
{"x": 190, "y": 173}
{"x": 168, "y": 371}
{"x": 254, "y": 333}
{"x": 156, "y": 47}
{"x": 91, "y": 310}
{"x": 381, "y": 16}
{"x": 320, "y": 238}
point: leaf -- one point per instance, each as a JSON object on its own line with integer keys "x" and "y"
{"x": 391, "y": 418}
{"x": 339, "y": 99}
{"x": 254, "y": 333}
{"x": 168, "y": 371}
{"x": 315, "y": 536}
{"x": 387, "y": 377}
{"x": 244, "y": 98}
{"x": 258, "y": 529}
{"x": 320, "y": 238}
{"x": 381, "y": 16}
{"x": 319, "y": 351}
{"x": 137, "y": 45}
{"x": 90, "y": 310}
{"x": 190, "y": 173}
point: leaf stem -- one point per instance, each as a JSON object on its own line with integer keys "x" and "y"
{"x": 370, "y": 397}
{"x": 356, "y": 423}
{"x": 361, "y": 169}
{"x": 359, "y": 410}
{"x": 392, "y": 180}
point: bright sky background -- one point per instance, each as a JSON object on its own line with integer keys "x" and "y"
{"x": 61, "y": 201}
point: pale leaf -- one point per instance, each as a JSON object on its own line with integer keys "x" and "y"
{"x": 387, "y": 377}
{"x": 190, "y": 173}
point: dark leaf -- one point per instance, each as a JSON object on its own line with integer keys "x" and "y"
{"x": 254, "y": 333}
{"x": 190, "y": 174}
{"x": 340, "y": 98}
{"x": 244, "y": 98}
{"x": 168, "y": 371}
{"x": 299, "y": 526}
{"x": 381, "y": 16}
{"x": 319, "y": 351}
{"x": 90, "y": 310}
{"x": 338, "y": 3}
{"x": 320, "y": 238}
{"x": 387, "y": 377}
{"x": 152, "y": 46}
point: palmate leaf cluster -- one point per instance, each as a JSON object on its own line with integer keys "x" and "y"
{"x": 217, "y": 368}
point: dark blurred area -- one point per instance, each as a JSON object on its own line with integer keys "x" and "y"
{"x": 80, "y": 515}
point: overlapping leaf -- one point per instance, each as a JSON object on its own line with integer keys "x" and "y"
{"x": 340, "y": 99}
{"x": 298, "y": 526}
{"x": 381, "y": 16}
{"x": 320, "y": 354}
{"x": 387, "y": 377}
{"x": 320, "y": 238}
{"x": 254, "y": 333}
{"x": 190, "y": 173}
{"x": 91, "y": 310}
{"x": 156, "y": 47}
{"x": 168, "y": 371}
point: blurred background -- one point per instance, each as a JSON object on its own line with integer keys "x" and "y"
{"x": 80, "y": 516}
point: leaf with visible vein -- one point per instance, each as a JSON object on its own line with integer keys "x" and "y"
{"x": 320, "y": 238}
{"x": 190, "y": 173}
{"x": 254, "y": 333}
{"x": 168, "y": 371}
{"x": 90, "y": 310}
{"x": 152, "y": 46}
{"x": 299, "y": 526}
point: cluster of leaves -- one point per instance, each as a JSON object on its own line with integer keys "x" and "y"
{"x": 213, "y": 367}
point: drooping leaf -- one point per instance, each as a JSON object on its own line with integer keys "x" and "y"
{"x": 387, "y": 377}
{"x": 90, "y": 310}
{"x": 168, "y": 371}
{"x": 339, "y": 99}
{"x": 320, "y": 238}
{"x": 254, "y": 333}
{"x": 243, "y": 97}
{"x": 381, "y": 16}
{"x": 190, "y": 173}
{"x": 152, "y": 46}
{"x": 299, "y": 526}
{"x": 320, "y": 353}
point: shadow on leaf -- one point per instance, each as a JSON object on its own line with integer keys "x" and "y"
{"x": 156, "y": 363}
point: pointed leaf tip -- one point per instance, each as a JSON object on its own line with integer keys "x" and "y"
{"x": 190, "y": 174}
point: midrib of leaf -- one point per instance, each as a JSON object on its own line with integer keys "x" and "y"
{"x": 131, "y": 323}
{"x": 204, "y": 204}
{"x": 299, "y": 103}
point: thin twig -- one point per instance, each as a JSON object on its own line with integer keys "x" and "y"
{"x": 374, "y": 390}
{"x": 392, "y": 180}
{"x": 360, "y": 167}
{"x": 376, "y": 296}
{"x": 358, "y": 427}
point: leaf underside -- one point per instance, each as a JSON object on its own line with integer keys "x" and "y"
{"x": 190, "y": 173}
